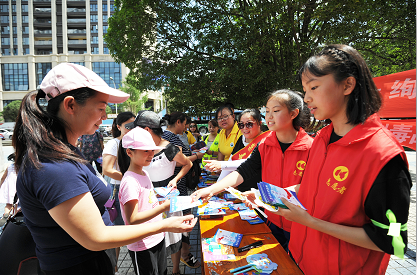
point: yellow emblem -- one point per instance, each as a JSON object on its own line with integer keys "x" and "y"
{"x": 301, "y": 165}
{"x": 340, "y": 173}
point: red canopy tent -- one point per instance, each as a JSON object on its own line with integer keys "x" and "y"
{"x": 398, "y": 112}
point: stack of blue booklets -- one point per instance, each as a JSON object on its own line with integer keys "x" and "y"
{"x": 272, "y": 195}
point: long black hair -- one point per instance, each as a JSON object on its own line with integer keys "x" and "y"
{"x": 119, "y": 120}
{"x": 343, "y": 61}
{"x": 294, "y": 100}
{"x": 41, "y": 134}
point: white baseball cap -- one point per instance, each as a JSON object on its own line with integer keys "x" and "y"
{"x": 68, "y": 76}
{"x": 140, "y": 139}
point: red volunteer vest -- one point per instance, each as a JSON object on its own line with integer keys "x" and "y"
{"x": 335, "y": 185}
{"x": 284, "y": 169}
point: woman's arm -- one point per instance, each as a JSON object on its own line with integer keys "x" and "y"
{"x": 220, "y": 156}
{"x": 186, "y": 163}
{"x": 133, "y": 215}
{"x": 82, "y": 220}
{"x": 4, "y": 176}
{"x": 353, "y": 235}
{"x": 231, "y": 180}
{"x": 108, "y": 170}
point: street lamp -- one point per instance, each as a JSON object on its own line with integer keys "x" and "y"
{"x": 111, "y": 78}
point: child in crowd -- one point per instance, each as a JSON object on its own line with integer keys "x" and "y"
{"x": 278, "y": 159}
{"x": 212, "y": 141}
{"x": 356, "y": 184}
{"x": 139, "y": 204}
{"x": 194, "y": 131}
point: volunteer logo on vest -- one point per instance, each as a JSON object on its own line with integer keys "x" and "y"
{"x": 300, "y": 165}
{"x": 340, "y": 173}
{"x": 232, "y": 144}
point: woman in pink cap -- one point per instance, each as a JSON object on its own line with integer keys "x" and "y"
{"x": 60, "y": 194}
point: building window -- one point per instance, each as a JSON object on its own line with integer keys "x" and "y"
{"x": 15, "y": 51}
{"x": 5, "y": 51}
{"x": 93, "y": 7}
{"x": 15, "y": 76}
{"x": 5, "y": 30}
{"x": 4, "y": 8}
{"x": 25, "y": 8}
{"x": 109, "y": 69}
{"x": 93, "y": 18}
{"x": 94, "y": 29}
{"x": 25, "y": 40}
{"x": 5, "y": 41}
{"x": 13, "y": 8}
{"x": 94, "y": 40}
{"x": 4, "y": 19}
{"x": 112, "y": 7}
{"x": 27, "y": 51}
{"x": 25, "y": 30}
{"x": 79, "y": 63}
{"x": 14, "y": 40}
{"x": 106, "y": 50}
{"x": 41, "y": 70}
{"x": 14, "y": 30}
{"x": 104, "y": 7}
{"x": 94, "y": 50}
{"x": 25, "y": 19}
{"x": 105, "y": 29}
{"x": 105, "y": 18}
{"x": 14, "y": 19}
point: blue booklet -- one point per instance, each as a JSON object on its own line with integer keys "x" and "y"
{"x": 272, "y": 195}
{"x": 228, "y": 238}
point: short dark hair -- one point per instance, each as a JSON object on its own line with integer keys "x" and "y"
{"x": 213, "y": 122}
{"x": 255, "y": 113}
{"x": 343, "y": 61}
{"x": 174, "y": 117}
{"x": 221, "y": 108}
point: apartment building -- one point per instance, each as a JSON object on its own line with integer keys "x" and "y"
{"x": 36, "y": 35}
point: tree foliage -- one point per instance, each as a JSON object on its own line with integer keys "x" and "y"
{"x": 11, "y": 111}
{"x": 206, "y": 52}
{"x": 137, "y": 98}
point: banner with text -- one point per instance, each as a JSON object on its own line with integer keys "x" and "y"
{"x": 398, "y": 93}
{"x": 404, "y": 130}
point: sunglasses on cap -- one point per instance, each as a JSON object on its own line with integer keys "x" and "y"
{"x": 242, "y": 125}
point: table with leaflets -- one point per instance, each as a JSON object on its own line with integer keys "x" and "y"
{"x": 231, "y": 221}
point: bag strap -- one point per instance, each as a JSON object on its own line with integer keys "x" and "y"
{"x": 114, "y": 193}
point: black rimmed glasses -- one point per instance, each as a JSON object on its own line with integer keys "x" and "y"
{"x": 242, "y": 125}
{"x": 223, "y": 117}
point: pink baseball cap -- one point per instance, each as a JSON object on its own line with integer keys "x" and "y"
{"x": 140, "y": 139}
{"x": 68, "y": 76}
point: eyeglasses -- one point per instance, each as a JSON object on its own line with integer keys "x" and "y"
{"x": 242, "y": 125}
{"x": 192, "y": 126}
{"x": 223, "y": 117}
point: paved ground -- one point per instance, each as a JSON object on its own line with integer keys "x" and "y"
{"x": 396, "y": 266}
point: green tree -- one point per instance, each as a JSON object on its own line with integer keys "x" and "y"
{"x": 206, "y": 52}
{"x": 108, "y": 110}
{"x": 137, "y": 99}
{"x": 11, "y": 111}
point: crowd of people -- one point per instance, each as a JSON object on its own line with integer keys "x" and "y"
{"x": 352, "y": 177}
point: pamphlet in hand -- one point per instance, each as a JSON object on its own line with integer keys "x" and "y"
{"x": 183, "y": 202}
{"x": 228, "y": 238}
{"x": 272, "y": 195}
{"x": 166, "y": 193}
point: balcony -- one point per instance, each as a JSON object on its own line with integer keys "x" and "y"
{"x": 76, "y": 31}
{"x": 42, "y": 33}
{"x": 42, "y": 10}
{"x": 43, "y": 43}
{"x": 76, "y": 22}
{"x": 76, "y": 10}
{"x": 77, "y": 42}
{"x": 42, "y": 22}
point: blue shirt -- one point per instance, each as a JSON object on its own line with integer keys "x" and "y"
{"x": 43, "y": 189}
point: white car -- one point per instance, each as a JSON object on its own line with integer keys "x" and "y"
{"x": 6, "y": 133}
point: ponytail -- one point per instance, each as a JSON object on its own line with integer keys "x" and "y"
{"x": 40, "y": 135}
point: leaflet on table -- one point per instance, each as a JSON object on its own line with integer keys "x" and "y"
{"x": 272, "y": 195}
{"x": 238, "y": 206}
{"x": 228, "y": 238}
{"x": 202, "y": 211}
{"x": 183, "y": 202}
{"x": 229, "y": 197}
{"x": 247, "y": 214}
{"x": 214, "y": 251}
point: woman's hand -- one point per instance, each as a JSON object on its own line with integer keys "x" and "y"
{"x": 250, "y": 199}
{"x": 213, "y": 165}
{"x": 295, "y": 213}
{"x": 180, "y": 224}
{"x": 172, "y": 183}
{"x": 204, "y": 194}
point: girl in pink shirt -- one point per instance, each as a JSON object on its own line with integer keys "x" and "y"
{"x": 138, "y": 202}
